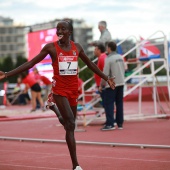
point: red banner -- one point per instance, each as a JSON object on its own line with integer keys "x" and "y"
{"x": 36, "y": 41}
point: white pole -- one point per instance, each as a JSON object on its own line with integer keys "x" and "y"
{"x": 154, "y": 87}
{"x": 167, "y": 64}
{"x": 140, "y": 93}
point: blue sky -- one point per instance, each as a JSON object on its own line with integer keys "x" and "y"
{"x": 124, "y": 17}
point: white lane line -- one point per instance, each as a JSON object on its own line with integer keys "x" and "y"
{"x": 23, "y": 166}
{"x": 91, "y": 157}
{"x": 128, "y": 159}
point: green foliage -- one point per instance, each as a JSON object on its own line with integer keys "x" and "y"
{"x": 85, "y": 74}
{"x": 162, "y": 72}
{"x": 131, "y": 66}
{"x": 7, "y": 64}
{"x": 20, "y": 60}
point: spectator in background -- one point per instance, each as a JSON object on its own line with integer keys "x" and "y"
{"x": 24, "y": 96}
{"x": 114, "y": 66}
{"x": 19, "y": 90}
{"x": 105, "y": 34}
{"x": 31, "y": 83}
{"x": 99, "y": 52}
{"x": 45, "y": 82}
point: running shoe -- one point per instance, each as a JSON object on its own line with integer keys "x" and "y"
{"x": 78, "y": 168}
{"x": 106, "y": 127}
{"x": 120, "y": 126}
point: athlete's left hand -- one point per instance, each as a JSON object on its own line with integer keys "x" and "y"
{"x": 111, "y": 82}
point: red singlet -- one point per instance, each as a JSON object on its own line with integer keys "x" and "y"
{"x": 65, "y": 79}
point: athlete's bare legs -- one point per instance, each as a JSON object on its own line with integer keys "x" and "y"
{"x": 58, "y": 114}
{"x": 68, "y": 113}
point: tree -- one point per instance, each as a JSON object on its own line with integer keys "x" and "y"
{"x": 20, "y": 60}
{"x": 8, "y": 65}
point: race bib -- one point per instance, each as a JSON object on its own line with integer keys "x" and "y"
{"x": 67, "y": 65}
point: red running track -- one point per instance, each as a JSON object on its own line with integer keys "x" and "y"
{"x": 16, "y": 155}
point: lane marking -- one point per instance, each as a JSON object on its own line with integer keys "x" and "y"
{"x": 23, "y": 166}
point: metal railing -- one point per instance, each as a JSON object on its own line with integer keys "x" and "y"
{"x": 143, "y": 78}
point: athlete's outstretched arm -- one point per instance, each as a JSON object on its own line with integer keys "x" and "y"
{"x": 27, "y": 65}
{"x": 94, "y": 67}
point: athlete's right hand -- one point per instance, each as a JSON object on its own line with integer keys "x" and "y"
{"x": 2, "y": 75}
